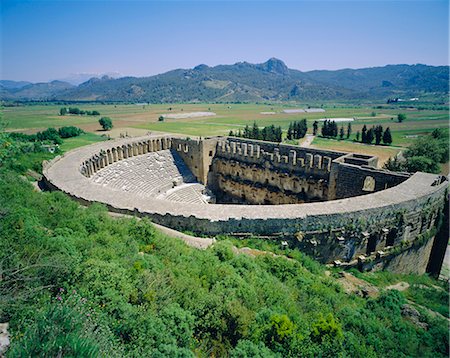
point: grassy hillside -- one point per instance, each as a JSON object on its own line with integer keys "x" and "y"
{"x": 76, "y": 282}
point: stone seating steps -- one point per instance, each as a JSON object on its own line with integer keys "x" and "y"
{"x": 189, "y": 194}
{"x": 152, "y": 174}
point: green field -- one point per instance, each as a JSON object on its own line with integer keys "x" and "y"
{"x": 140, "y": 119}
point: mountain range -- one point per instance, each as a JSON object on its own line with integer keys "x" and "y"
{"x": 243, "y": 81}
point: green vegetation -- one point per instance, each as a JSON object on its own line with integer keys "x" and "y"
{"x": 76, "y": 282}
{"x": 106, "y": 123}
{"x": 76, "y": 111}
{"x": 329, "y": 129}
{"x": 297, "y": 129}
{"x": 269, "y": 133}
{"x": 69, "y": 132}
{"x": 401, "y": 117}
{"x": 423, "y": 155}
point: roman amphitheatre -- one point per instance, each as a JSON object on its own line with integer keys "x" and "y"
{"x": 336, "y": 206}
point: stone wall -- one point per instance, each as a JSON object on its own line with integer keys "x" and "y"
{"x": 348, "y": 180}
{"x": 250, "y": 183}
{"x": 197, "y": 154}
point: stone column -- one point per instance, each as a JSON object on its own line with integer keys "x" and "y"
{"x": 293, "y": 157}
{"x": 317, "y": 161}
{"x": 109, "y": 157}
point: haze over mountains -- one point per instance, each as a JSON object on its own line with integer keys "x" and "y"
{"x": 271, "y": 80}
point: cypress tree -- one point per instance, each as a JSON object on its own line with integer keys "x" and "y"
{"x": 349, "y": 130}
{"x": 364, "y": 134}
{"x": 315, "y": 127}
{"x": 387, "y": 137}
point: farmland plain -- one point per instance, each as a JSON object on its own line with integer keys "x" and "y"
{"x": 139, "y": 119}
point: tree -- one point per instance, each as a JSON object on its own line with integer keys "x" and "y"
{"x": 106, "y": 123}
{"x": 289, "y": 132}
{"x": 246, "y": 131}
{"x": 387, "y": 137}
{"x": 63, "y": 111}
{"x": 315, "y": 127}
{"x": 357, "y": 136}
{"x": 74, "y": 110}
{"x": 255, "y": 131}
{"x": 161, "y": 119}
{"x": 421, "y": 164}
{"x": 364, "y": 134}
{"x": 69, "y": 132}
{"x": 394, "y": 165}
{"x": 349, "y": 130}
{"x": 95, "y": 113}
{"x": 378, "y": 131}
{"x": 401, "y": 117}
{"x": 370, "y": 136}
{"x": 50, "y": 134}
{"x": 341, "y": 133}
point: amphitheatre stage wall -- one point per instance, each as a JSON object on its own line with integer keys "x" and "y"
{"x": 377, "y": 219}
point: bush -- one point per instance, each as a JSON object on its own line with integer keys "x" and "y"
{"x": 69, "y": 132}
{"x": 51, "y": 134}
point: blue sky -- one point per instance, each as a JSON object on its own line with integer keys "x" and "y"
{"x": 44, "y": 40}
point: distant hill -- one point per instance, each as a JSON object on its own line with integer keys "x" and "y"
{"x": 13, "y": 84}
{"x": 243, "y": 81}
{"x": 36, "y": 91}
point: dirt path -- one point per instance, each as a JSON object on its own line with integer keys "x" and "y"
{"x": 307, "y": 141}
{"x": 193, "y": 241}
{"x": 399, "y": 286}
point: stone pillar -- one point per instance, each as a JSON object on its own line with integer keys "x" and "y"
{"x": 244, "y": 149}
{"x": 90, "y": 170}
{"x": 250, "y": 149}
{"x": 293, "y": 157}
{"x": 309, "y": 160}
{"x": 233, "y": 147}
{"x": 258, "y": 151}
{"x": 317, "y": 161}
{"x": 109, "y": 157}
{"x": 114, "y": 154}
{"x": 326, "y": 163}
{"x": 276, "y": 154}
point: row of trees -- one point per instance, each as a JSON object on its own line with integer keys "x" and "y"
{"x": 76, "y": 111}
{"x": 52, "y": 135}
{"x": 375, "y": 133}
{"x": 330, "y": 129}
{"x": 297, "y": 129}
{"x": 269, "y": 133}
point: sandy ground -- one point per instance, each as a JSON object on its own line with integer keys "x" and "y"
{"x": 188, "y": 115}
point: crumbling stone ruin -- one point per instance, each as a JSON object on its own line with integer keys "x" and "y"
{"x": 335, "y": 206}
